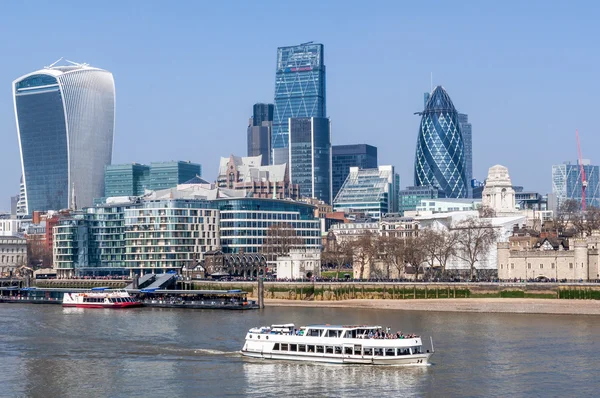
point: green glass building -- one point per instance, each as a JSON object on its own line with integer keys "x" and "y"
{"x": 133, "y": 179}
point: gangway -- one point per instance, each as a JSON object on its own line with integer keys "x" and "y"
{"x": 144, "y": 281}
{"x": 162, "y": 281}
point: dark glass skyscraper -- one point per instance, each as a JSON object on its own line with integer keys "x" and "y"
{"x": 299, "y": 92}
{"x": 440, "y": 157}
{"x": 466, "y": 130}
{"x": 310, "y": 157}
{"x": 259, "y": 132}
{"x": 345, "y": 156}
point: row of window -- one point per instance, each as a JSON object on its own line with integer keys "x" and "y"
{"x": 356, "y": 350}
{"x": 541, "y": 266}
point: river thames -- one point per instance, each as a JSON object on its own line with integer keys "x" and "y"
{"x": 49, "y": 351}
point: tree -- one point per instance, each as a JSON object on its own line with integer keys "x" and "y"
{"x": 280, "y": 239}
{"x": 567, "y": 216}
{"x": 486, "y": 212}
{"x": 339, "y": 256}
{"x": 391, "y": 249}
{"x": 363, "y": 250}
{"x": 439, "y": 246}
{"x": 414, "y": 254}
{"x": 474, "y": 240}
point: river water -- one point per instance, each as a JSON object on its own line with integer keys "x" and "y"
{"x": 49, "y": 351}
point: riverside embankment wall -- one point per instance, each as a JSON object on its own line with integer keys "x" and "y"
{"x": 327, "y": 291}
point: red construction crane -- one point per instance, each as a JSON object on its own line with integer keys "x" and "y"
{"x": 582, "y": 172}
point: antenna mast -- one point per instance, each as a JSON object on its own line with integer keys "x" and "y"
{"x": 581, "y": 172}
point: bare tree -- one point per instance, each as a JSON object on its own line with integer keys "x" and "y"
{"x": 440, "y": 247}
{"x": 414, "y": 255}
{"x": 475, "y": 239}
{"x": 364, "y": 250}
{"x": 591, "y": 221}
{"x": 339, "y": 256}
{"x": 391, "y": 251}
{"x": 568, "y": 216}
{"x": 280, "y": 239}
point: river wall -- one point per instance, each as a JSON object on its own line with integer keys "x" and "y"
{"x": 331, "y": 291}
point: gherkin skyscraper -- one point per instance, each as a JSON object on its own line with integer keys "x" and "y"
{"x": 440, "y": 156}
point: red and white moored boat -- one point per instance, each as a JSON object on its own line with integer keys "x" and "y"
{"x": 99, "y": 297}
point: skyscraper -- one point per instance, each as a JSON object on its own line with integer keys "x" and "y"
{"x": 345, "y": 156}
{"x": 260, "y": 131}
{"x": 440, "y": 159}
{"x": 299, "y": 92}
{"x": 310, "y": 156}
{"x": 65, "y": 122}
{"x": 465, "y": 128}
{"x": 566, "y": 183}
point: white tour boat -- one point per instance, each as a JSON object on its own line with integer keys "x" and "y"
{"x": 98, "y": 297}
{"x": 371, "y": 345}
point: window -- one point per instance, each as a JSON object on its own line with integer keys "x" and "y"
{"x": 570, "y": 265}
{"x": 541, "y": 266}
{"x": 276, "y": 347}
{"x": 320, "y": 349}
{"x": 403, "y": 351}
{"x": 311, "y": 348}
{"x": 512, "y": 266}
{"x": 329, "y": 349}
{"x": 338, "y": 350}
{"x": 378, "y": 352}
{"x": 552, "y": 265}
{"x": 390, "y": 352}
{"x": 301, "y": 348}
{"x": 293, "y": 347}
{"x": 529, "y": 265}
{"x": 368, "y": 351}
{"x": 348, "y": 350}
{"x": 284, "y": 347}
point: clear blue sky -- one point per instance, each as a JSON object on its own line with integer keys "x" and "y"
{"x": 187, "y": 74}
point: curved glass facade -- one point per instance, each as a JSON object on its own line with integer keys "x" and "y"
{"x": 440, "y": 158}
{"x": 245, "y": 223}
{"x": 65, "y": 122}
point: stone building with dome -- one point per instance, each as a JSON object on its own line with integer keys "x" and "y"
{"x": 498, "y": 193}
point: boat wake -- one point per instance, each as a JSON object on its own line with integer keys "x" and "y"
{"x": 206, "y": 351}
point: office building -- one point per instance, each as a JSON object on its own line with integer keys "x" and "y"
{"x": 246, "y": 173}
{"x": 260, "y": 129}
{"x": 466, "y": 129}
{"x": 372, "y": 192}
{"x": 134, "y": 179}
{"x": 126, "y": 179}
{"x": 310, "y": 156}
{"x": 267, "y": 226}
{"x": 299, "y": 92}
{"x": 440, "y": 158}
{"x": 65, "y": 119}
{"x": 410, "y": 197}
{"x": 13, "y": 254}
{"x": 345, "y": 156}
{"x": 566, "y": 183}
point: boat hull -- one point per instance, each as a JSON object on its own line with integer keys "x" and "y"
{"x": 406, "y": 360}
{"x": 102, "y": 305}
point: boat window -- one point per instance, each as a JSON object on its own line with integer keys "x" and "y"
{"x": 357, "y": 349}
{"x": 311, "y": 348}
{"x": 348, "y": 350}
{"x": 276, "y": 347}
{"x": 403, "y": 351}
{"x": 338, "y": 350}
{"x": 315, "y": 332}
{"x": 110, "y": 300}
{"x": 320, "y": 349}
{"x": 351, "y": 334}
{"x": 368, "y": 351}
{"x": 378, "y": 352}
{"x": 301, "y": 348}
{"x": 416, "y": 350}
{"x": 329, "y": 349}
{"x": 284, "y": 347}
{"x": 293, "y": 347}
{"x": 333, "y": 333}
{"x": 390, "y": 352}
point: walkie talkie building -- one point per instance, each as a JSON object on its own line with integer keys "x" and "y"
{"x": 65, "y": 123}
{"x": 440, "y": 157}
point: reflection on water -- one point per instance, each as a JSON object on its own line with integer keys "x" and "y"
{"x": 72, "y": 352}
{"x": 268, "y": 377}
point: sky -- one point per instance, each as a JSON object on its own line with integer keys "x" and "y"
{"x": 188, "y": 72}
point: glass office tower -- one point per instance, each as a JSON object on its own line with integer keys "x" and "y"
{"x": 260, "y": 131}
{"x": 566, "y": 183}
{"x": 440, "y": 157}
{"x": 345, "y": 156}
{"x": 299, "y": 92}
{"x": 467, "y": 134}
{"x": 310, "y": 157}
{"x": 65, "y": 123}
